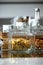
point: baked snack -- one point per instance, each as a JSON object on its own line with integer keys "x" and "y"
{"x": 4, "y": 35}
{"x": 37, "y": 55}
{"x": 0, "y": 35}
{"x": 39, "y": 43}
{"x": 40, "y": 55}
{"x": 20, "y": 55}
{"x": 20, "y": 44}
{"x": 20, "y": 19}
{"x": 5, "y": 44}
{"x": 5, "y": 54}
{"x": 26, "y": 19}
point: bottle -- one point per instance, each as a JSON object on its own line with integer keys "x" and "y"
{"x": 35, "y": 22}
{"x": 37, "y": 13}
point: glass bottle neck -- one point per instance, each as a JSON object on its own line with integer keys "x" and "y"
{"x": 37, "y": 15}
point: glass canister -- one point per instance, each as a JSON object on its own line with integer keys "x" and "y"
{"x": 20, "y": 38}
{"x": 37, "y": 32}
{"x": 36, "y": 28}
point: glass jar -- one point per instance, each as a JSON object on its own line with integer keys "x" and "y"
{"x": 36, "y": 28}
{"x": 20, "y": 39}
{"x": 37, "y": 13}
{"x": 37, "y": 32}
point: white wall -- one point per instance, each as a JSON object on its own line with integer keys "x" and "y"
{"x": 9, "y": 11}
{"x": 19, "y": 10}
{"x": 19, "y": 0}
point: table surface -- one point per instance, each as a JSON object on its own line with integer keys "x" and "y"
{"x": 21, "y": 61}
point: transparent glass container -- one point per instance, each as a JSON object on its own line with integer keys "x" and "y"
{"x": 5, "y": 42}
{"x": 37, "y": 32}
{"x": 20, "y": 39}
